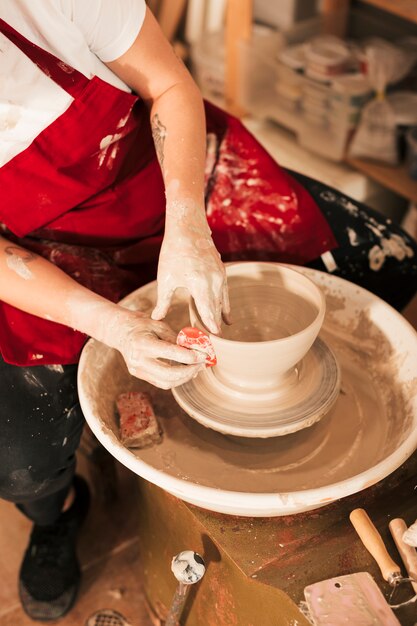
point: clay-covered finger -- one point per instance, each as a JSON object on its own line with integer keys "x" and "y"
{"x": 216, "y": 301}
{"x": 226, "y": 313}
{"x": 205, "y": 307}
{"x": 169, "y": 376}
{"x": 165, "y": 332}
{"x": 163, "y": 303}
{"x": 164, "y": 350}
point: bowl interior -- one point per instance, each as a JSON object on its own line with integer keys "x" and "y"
{"x": 266, "y": 312}
{"x": 269, "y": 302}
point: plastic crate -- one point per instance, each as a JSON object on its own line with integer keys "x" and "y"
{"x": 322, "y": 115}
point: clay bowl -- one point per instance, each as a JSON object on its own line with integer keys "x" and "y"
{"x": 277, "y": 314}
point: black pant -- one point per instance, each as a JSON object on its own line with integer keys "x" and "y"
{"x": 40, "y": 429}
{"x": 363, "y": 234}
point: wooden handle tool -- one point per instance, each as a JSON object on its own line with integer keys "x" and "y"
{"x": 374, "y": 543}
{"x": 408, "y": 553}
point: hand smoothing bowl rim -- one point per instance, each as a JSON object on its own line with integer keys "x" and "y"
{"x": 266, "y": 504}
{"x": 275, "y": 268}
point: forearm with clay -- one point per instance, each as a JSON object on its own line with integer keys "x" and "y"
{"x": 188, "y": 256}
{"x": 34, "y": 285}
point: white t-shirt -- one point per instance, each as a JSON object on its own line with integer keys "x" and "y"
{"x": 83, "y": 33}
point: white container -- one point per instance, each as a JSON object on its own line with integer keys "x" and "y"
{"x": 294, "y": 57}
{"x": 315, "y": 93}
{"x": 316, "y": 107}
{"x": 352, "y": 90}
{"x": 326, "y": 57}
{"x": 289, "y": 96}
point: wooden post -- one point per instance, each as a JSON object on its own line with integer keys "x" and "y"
{"x": 154, "y": 6}
{"x": 335, "y": 17}
{"x": 169, "y": 17}
{"x": 238, "y": 27}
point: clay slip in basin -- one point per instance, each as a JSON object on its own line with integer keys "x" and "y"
{"x": 370, "y": 432}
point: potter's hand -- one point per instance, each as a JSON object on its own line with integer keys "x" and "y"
{"x": 189, "y": 259}
{"x": 143, "y": 342}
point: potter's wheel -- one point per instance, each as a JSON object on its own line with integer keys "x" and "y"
{"x": 370, "y": 431}
{"x": 310, "y": 392}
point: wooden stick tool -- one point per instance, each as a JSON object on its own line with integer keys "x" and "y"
{"x": 374, "y": 543}
{"x": 408, "y": 553}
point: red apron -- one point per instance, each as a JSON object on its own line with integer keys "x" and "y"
{"x": 88, "y": 195}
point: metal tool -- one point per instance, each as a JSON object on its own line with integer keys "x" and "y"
{"x": 352, "y": 599}
{"x": 107, "y": 617}
{"x": 188, "y": 568}
{"x": 408, "y": 553}
{"x": 374, "y": 543}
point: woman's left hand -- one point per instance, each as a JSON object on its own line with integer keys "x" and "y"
{"x": 189, "y": 259}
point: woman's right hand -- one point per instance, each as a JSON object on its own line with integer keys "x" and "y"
{"x": 143, "y": 342}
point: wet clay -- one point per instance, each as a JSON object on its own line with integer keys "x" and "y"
{"x": 277, "y": 314}
{"x": 332, "y": 449}
{"x": 267, "y": 313}
{"x": 373, "y": 416}
{"x": 304, "y": 395}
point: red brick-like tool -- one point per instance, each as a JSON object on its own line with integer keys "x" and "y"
{"x": 138, "y": 427}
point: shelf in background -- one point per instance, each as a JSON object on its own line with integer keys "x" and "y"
{"x": 394, "y": 178}
{"x": 407, "y": 9}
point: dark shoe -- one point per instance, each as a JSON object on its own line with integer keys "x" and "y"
{"x": 50, "y": 573}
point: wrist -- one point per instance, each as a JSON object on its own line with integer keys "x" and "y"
{"x": 97, "y": 317}
{"x": 115, "y": 324}
{"x": 109, "y": 319}
{"x": 186, "y": 218}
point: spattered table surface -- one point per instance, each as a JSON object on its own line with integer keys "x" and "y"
{"x": 257, "y": 568}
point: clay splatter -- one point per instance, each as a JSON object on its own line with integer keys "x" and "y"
{"x": 395, "y": 247}
{"x": 109, "y": 145}
{"x": 353, "y": 237}
{"x": 17, "y": 260}
{"x": 232, "y": 192}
